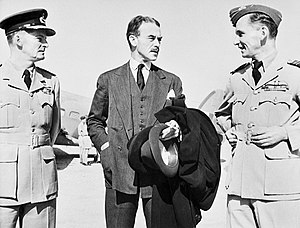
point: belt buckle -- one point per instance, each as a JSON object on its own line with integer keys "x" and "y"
{"x": 248, "y": 136}
{"x": 34, "y": 141}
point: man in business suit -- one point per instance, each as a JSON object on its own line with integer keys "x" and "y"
{"x": 29, "y": 124}
{"x": 124, "y": 103}
{"x": 260, "y": 117}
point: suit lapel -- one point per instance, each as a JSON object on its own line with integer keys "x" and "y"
{"x": 158, "y": 85}
{"x": 121, "y": 90}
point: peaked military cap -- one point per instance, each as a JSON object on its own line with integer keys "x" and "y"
{"x": 237, "y": 12}
{"x": 34, "y": 19}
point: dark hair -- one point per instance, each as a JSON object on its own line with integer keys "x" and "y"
{"x": 135, "y": 23}
{"x": 265, "y": 20}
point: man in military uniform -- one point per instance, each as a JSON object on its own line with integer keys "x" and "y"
{"x": 260, "y": 117}
{"x": 29, "y": 124}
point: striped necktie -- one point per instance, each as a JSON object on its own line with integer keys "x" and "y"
{"x": 140, "y": 77}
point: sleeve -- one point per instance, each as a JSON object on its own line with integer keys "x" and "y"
{"x": 56, "y": 115}
{"x": 96, "y": 122}
{"x": 224, "y": 113}
{"x": 177, "y": 86}
{"x": 292, "y": 126}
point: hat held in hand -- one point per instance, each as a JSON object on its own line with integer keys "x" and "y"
{"x": 147, "y": 152}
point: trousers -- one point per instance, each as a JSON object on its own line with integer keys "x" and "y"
{"x": 252, "y": 213}
{"x": 29, "y": 215}
{"x": 121, "y": 208}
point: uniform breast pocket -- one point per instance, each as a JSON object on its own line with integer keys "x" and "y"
{"x": 276, "y": 105}
{"x": 46, "y": 105}
{"x": 10, "y": 112}
{"x": 238, "y": 106}
{"x": 276, "y": 99}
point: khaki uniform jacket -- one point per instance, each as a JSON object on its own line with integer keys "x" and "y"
{"x": 124, "y": 110}
{"x": 264, "y": 173}
{"x": 29, "y": 124}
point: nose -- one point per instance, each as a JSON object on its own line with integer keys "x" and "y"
{"x": 45, "y": 43}
{"x": 236, "y": 40}
{"x": 157, "y": 42}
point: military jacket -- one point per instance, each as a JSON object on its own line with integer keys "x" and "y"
{"x": 271, "y": 173}
{"x": 29, "y": 124}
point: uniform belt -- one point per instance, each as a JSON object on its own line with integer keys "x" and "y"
{"x": 32, "y": 140}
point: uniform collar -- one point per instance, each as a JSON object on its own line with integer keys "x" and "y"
{"x": 267, "y": 61}
{"x": 15, "y": 77}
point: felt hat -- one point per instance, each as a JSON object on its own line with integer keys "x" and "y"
{"x": 33, "y": 19}
{"x": 147, "y": 153}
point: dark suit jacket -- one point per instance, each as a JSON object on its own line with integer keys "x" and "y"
{"x": 111, "y": 117}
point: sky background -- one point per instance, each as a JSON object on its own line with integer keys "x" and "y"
{"x": 197, "y": 40}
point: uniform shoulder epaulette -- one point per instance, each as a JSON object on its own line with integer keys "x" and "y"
{"x": 294, "y": 63}
{"x": 240, "y": 68}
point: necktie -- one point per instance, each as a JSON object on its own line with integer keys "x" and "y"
{"x": 140, "y": 77}
{"x": 27, "y": 78}
{"x": 255, "y": 72}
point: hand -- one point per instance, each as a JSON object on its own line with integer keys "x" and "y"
{"x": 231, "y": 137}
{"x": 268, "y": 136}
{"x": 172, "y": 131}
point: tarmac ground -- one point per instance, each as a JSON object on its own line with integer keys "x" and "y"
{"x": 80, "y": 203}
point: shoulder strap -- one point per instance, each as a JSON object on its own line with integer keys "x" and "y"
{"x": 294, "y": 63}
{"x": 240, "y": 68}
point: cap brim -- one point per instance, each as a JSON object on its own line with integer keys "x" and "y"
{"x": 48, "y": 31}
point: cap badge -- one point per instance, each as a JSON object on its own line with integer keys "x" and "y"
{"x": 242, "y": 7}
{"x": 43, "y": 19}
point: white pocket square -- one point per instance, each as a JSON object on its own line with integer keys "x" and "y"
{"x": 171, "y": 94}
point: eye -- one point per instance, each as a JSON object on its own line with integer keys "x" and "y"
{"x": 41, "y": 39}
{"x": 151, "y": 38}
{"x": 239, "y": 33}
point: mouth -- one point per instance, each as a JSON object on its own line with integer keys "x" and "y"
{"x": 155, "y": 51}
{"x": 242, "y": 47}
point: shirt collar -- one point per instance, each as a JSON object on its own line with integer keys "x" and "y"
{"x": 134, "y": 64}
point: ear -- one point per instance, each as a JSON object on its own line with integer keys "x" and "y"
{"x": 18, "y": 39}
{"x": 133, "y": 40}
{"x": 264, "y": 32}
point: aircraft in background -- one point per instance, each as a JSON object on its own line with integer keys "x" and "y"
{"x": 210, "y": 104}
{"x": 73, "y": 106}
